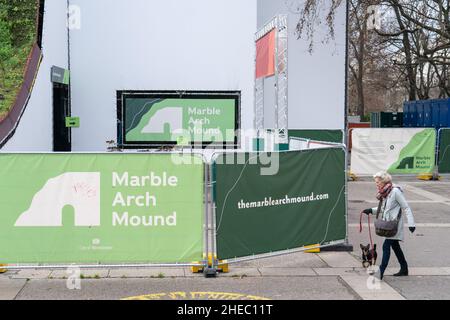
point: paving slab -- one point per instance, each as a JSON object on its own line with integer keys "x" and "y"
{"x": 369, "y": 290}
{"x": 32, "y": 274}
{"x": 433, "y": 192}
{"x": 423, "y": 271}
{"x": 339, "y": 271}
{"x": 10, "y": 288}
{"x": 240, "y": 272}
{"x": 146, "y": 273}
{"x": 86, "y": 273}
{"x": 289, "y": 272}
{"x": 8, "y": 274}
{"x": 339, "y": 260}
{"x": 422, "y": 287}
{"x": 440, "y": 189}
{"x": 293, "y": 260}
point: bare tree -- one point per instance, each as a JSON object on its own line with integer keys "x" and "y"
{"x": 311, "y": 15}
{"x": 406, "y": 57}
{"x": 423, "y": 28}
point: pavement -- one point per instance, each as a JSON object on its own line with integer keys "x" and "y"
{"x": 299, "y": 276}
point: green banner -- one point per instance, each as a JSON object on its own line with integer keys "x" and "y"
{"x": 334, "y": 136}
{"x": 444, "y": 151}
{"x": 164, "y": 120}
{"x": 101, "y": 208}
{"x": 418, "y": 156}
{"x": 302, "y": 204}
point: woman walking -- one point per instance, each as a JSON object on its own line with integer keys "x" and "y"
{"x": 392, "y": 203}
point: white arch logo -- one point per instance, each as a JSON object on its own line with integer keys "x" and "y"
{"x": 171, "y": 115}
{"x": 77, "y": 189}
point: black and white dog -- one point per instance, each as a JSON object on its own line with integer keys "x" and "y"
{"x": 369, "y": 258}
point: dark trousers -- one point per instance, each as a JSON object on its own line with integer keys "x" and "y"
{"x": 395, "y": 244}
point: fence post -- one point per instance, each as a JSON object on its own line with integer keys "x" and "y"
{"x": 436, "y": 175}
{"x": 198, "y": 269}
{"x": 210, "y": 269}
{"x": 346, "y": 246}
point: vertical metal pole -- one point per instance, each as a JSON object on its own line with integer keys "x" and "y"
{"x": 346, "y": 99}
{"x": 346, "y": 195}
{"x": 255, "y": 92}
{"x": 259, "y": 107}
{"x": 213, "y": 218}
{"x": 438, "y": 147}
{"x": 206, "y": 227}
{"x": 286, "y": 96}
{"x": 256, "y": 115}
{"x": 261, "y": 131}
{"x": 277, "y": 122}
{"x": 69, "y": 103}
{"x": 282, "y": 85}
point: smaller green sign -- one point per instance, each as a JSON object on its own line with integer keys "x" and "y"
{"x": 60, "y": 75}
{"x": 418, "y": 156}
{"x": 72, "y": 122}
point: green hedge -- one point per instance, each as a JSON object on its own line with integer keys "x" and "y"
{"x": 17, "y": 35}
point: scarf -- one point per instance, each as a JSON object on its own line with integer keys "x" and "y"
{"x": 384, "y": 191}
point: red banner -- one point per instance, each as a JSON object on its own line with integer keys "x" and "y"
{"x": 265, "y": 55}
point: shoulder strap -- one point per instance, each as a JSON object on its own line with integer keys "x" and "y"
{"x": 379, "y": 208}
{"x": 381, "y": 203}
{"x": 400, "y": 211}
{"x": 399, "y": 214}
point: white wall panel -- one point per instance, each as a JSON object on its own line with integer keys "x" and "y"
{"x": 35, "y": 130}
{"x": 317, "y": 80}
{"x": 157, "y": 45}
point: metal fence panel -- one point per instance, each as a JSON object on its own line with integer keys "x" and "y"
{"x": 300, "y": 204}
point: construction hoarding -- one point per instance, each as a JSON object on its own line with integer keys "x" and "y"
{"x": 261, "y": 211}
{"x": 101, "y": 208}
{"x": 398, "y": 151}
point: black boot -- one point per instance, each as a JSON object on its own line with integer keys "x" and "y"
{"x": 402, "y": 273}
{"x": 401, "y": 259}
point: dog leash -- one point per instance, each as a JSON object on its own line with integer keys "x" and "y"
{"x": 370, "y": 231}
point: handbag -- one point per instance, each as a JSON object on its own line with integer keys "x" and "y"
{"x": 385, "y": 228}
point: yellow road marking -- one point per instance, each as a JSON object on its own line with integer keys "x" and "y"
{"x": 196, "y": 296}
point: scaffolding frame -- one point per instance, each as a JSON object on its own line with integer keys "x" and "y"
{"x": 280, "y": 24}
